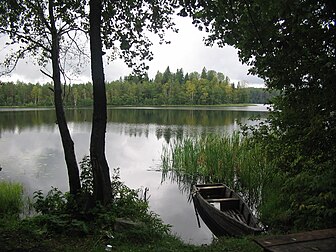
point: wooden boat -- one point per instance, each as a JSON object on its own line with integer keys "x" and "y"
{"x": 232, "y": 218}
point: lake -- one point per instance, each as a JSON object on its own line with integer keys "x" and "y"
{"x": 31, "y": 151}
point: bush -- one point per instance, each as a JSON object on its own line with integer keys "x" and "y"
{"x": 301, "y": 193}
{"x": 61, "y": 213}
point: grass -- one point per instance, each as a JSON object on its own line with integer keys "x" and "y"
{"x": 11, "y": 201}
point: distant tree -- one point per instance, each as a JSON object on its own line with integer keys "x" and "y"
{"x": 179, "y": 76}
{"x": 194, "y": 76}
{"x": 190, "y": 90}
{"x": 35, "y": 93}
{"x": 75, "y": 95}
{"x": 203, "y": 91}
{"x": 186, "y": 77}
{"x": 167, "y": 75}
{"x": 204, "y": 73}
{"x": 212, "y": 76}
{"x": 158, "y": 77}
{"x": 221, "y": 77}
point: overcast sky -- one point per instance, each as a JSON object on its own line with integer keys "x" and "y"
{"x": 187, "y": 51}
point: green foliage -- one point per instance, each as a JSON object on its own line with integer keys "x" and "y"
{"x": 273, "y": 209}
{"x": 11, "y": 199}
{"x": 54, "y": 202}
{"x": 301, "y": 192}
{"x": 31, "y": 235}
{"x": 86, "y": 175}
{"x": 25, "y": 94}
{"x": 284, "y": 201}
{"x": 59, "y": 213}
{"x": 302, "y": 201}
{"x": 60, "y": 223}
{"x": 313, "y": 204}
{"x": 59, "y": 228}
{"x": 280, "y": 40}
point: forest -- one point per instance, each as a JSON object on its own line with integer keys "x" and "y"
{"x": 167, "y": 88}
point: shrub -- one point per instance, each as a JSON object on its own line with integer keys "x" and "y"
{"x": 61, "y": 213}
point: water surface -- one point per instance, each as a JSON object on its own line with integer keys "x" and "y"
{"x": 31, "y": 151}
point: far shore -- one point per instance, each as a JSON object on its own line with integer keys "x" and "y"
{"x": 135, "y": 106}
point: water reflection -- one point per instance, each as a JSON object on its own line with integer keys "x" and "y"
{"x": 167, "y": 123}
{"x": 31, "y": 152}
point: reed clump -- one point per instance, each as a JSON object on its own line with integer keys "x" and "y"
{"x": 236, "y": 160}
{"x": 11, "y": 200}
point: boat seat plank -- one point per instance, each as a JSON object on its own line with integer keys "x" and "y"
{"x": 211, "y": 187}
{"x": 212, "y": 200}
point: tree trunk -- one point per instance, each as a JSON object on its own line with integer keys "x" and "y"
{"x": 101, "y": 174}
{"x": 68, "y": 145}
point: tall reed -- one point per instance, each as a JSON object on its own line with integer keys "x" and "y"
{"x": 11, "y": 200}
{"x": 235, "y": 160}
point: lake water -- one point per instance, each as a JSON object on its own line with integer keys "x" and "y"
{"x": 31, "y": 151}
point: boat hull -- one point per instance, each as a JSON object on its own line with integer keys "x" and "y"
{"x": 233, "y": 218}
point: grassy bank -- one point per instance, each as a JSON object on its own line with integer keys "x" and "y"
{"x": 59, "y": 227}
{"x": 23, "y": 236}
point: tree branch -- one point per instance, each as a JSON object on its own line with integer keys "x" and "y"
{"x": 9, "y": 61}
{"x": 22, "y": 36}
{"x": 45, "y": 73}
{"x": 78, "y": 47}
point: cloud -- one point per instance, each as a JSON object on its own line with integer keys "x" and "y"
{"x": 186, "y": 51}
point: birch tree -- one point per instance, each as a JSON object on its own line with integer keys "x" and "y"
{"x": 45, "y": 30}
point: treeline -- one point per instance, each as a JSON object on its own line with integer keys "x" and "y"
{"x": 168, "y": 88}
